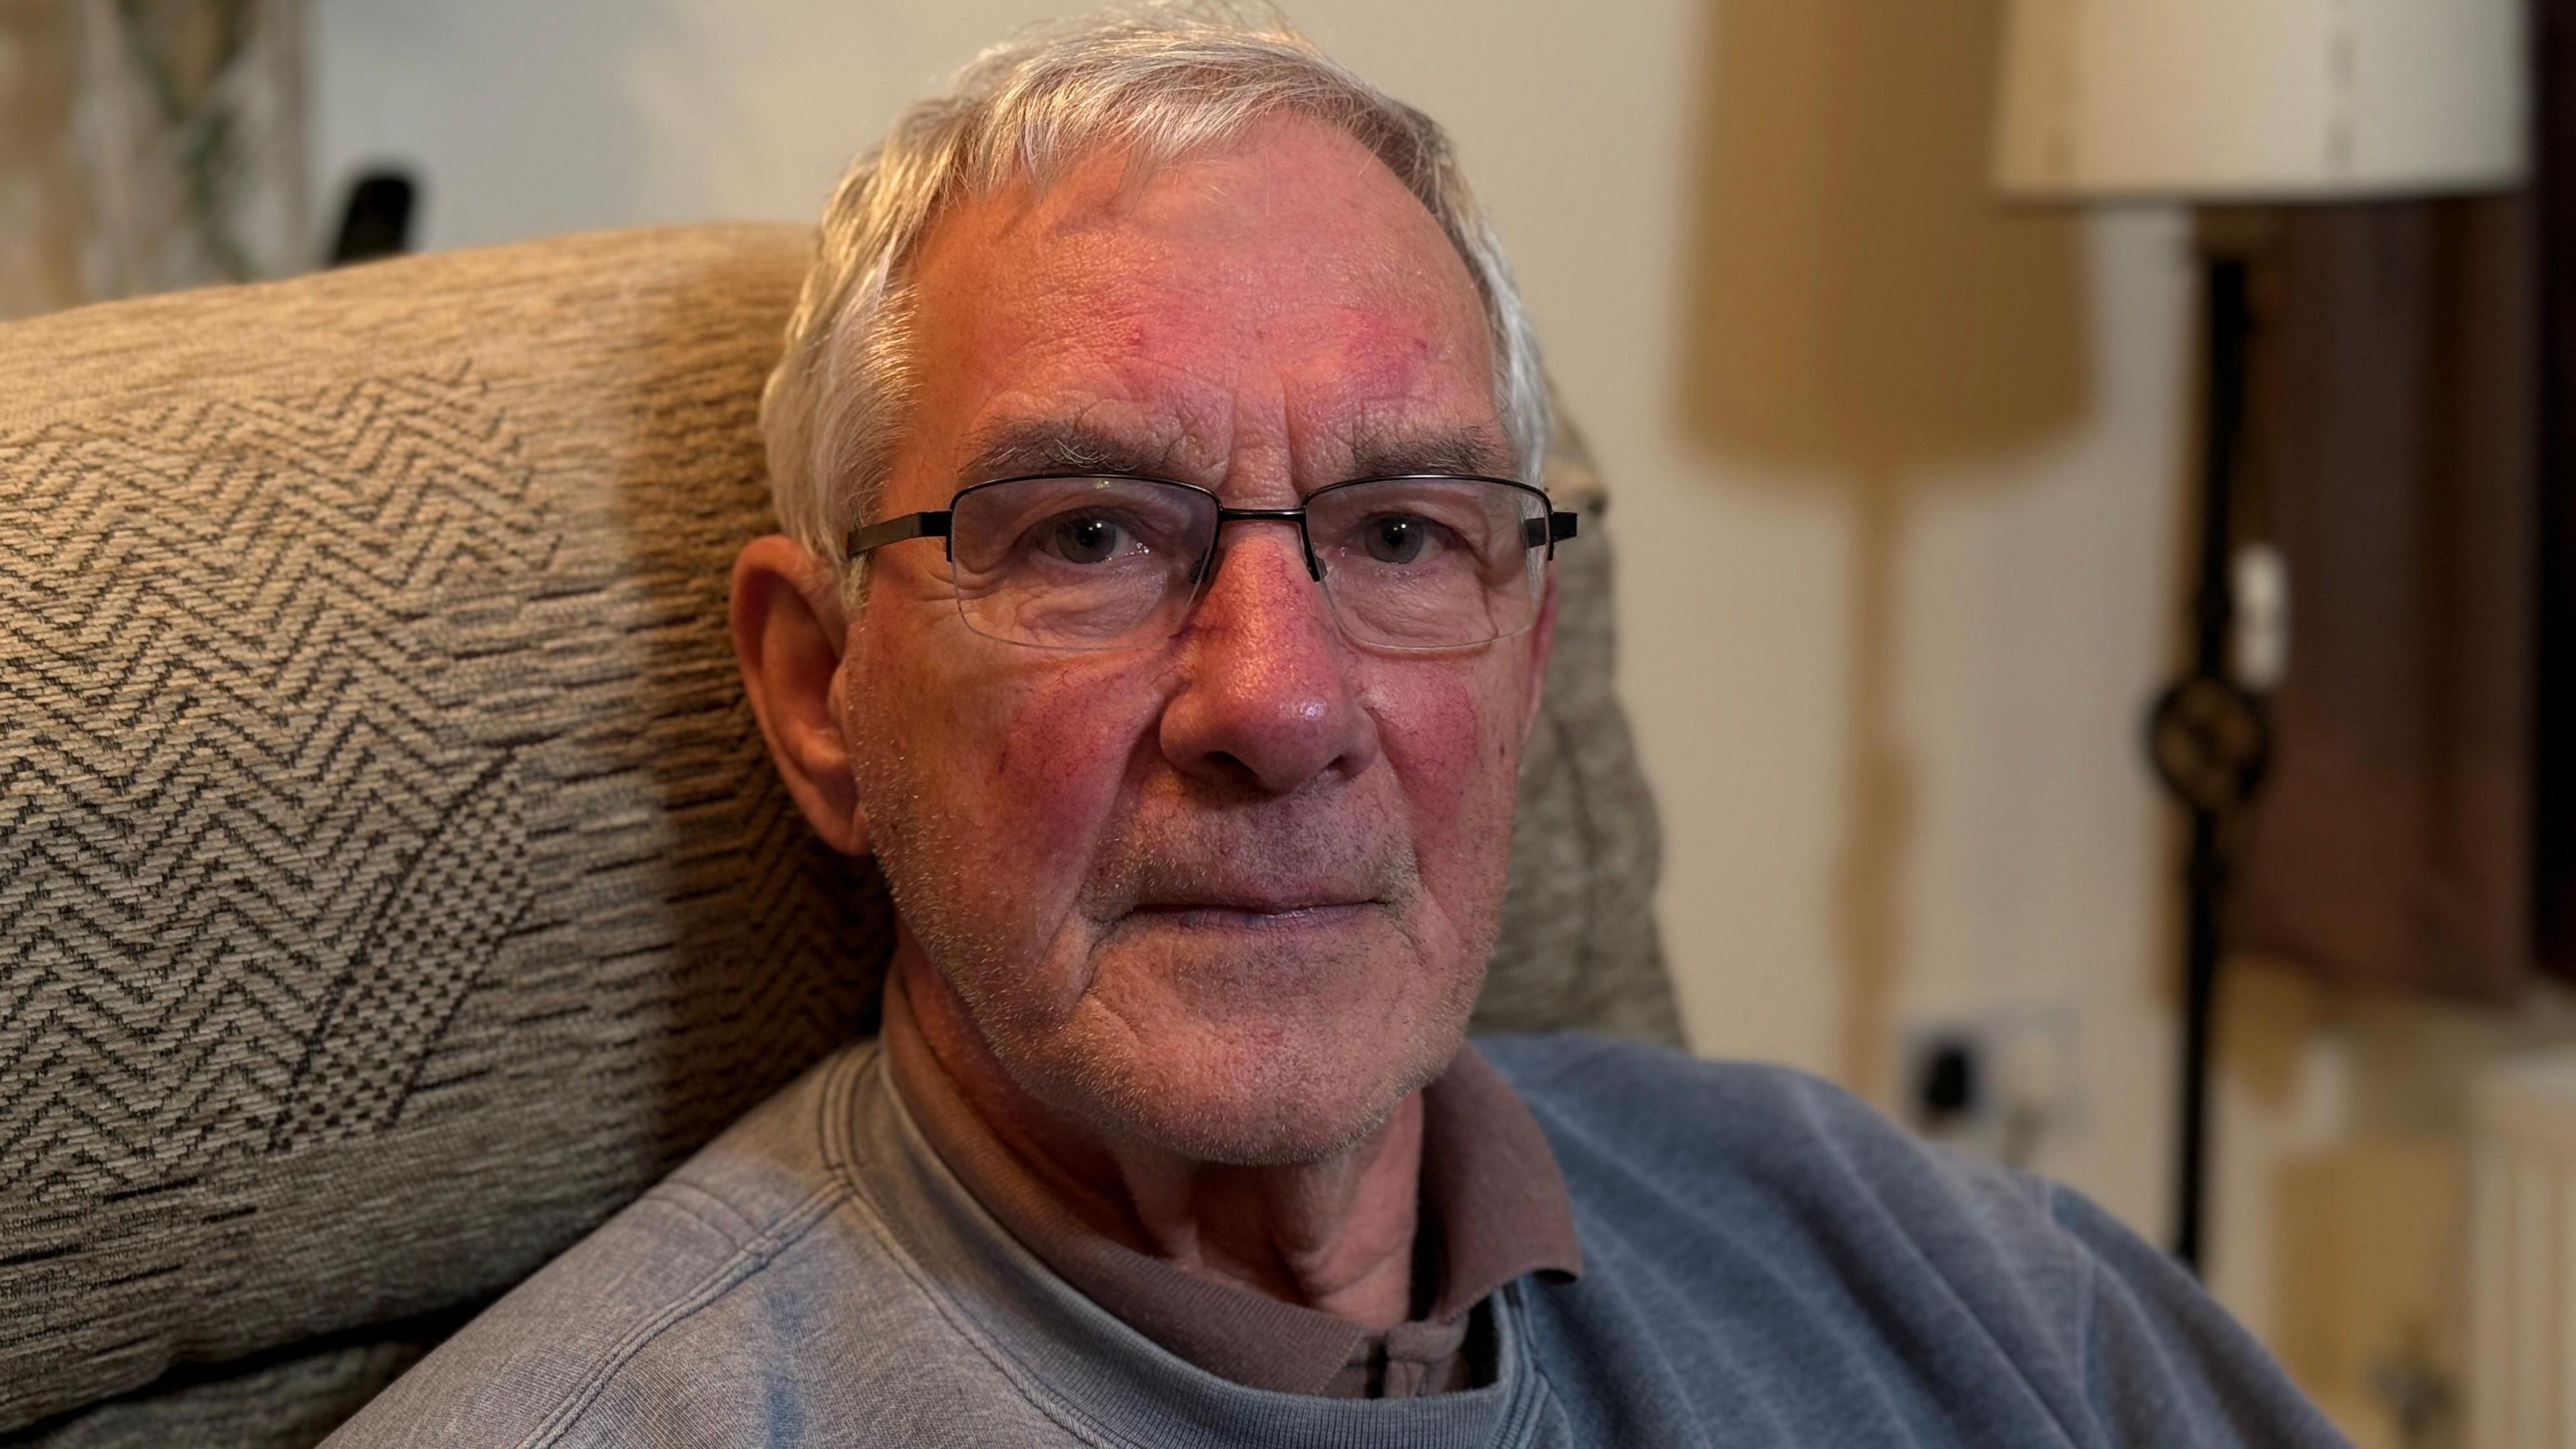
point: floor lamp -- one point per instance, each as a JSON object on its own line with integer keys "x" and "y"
{"x": 2244, "y": 103}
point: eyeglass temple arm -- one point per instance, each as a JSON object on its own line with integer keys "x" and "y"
{"x": 933, "y": 524}
{"x": 1547, "y": 532}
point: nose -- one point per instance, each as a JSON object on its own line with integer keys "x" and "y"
{"x": 1266, "y": 701}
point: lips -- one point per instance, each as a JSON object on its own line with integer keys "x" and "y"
{"x": 1254, "y": 904}
{"x": 1146, "y": 876}
{"x": 1266, "y": 912}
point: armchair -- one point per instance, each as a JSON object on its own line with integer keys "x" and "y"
{"x": 392, "y": 881}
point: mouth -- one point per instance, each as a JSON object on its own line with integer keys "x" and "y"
{"x": 1251, "y": 915}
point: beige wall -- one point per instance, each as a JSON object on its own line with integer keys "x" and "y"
{"x": 43, "y": 203}
{"x": 1895, "y": 490}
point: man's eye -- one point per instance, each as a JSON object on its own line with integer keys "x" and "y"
{"x": 1087, "y": 539}
{"x": 1396, "y": 538}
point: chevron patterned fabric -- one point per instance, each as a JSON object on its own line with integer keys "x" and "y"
{"x": 392, "y": 880}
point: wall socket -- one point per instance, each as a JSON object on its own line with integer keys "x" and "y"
{"x": 1995, "y": 1083}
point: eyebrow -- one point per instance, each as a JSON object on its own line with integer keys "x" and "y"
{"x": 1469, "y": 449}
{"x": 1018, "y": 448}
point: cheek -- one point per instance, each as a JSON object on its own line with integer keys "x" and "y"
{"x": 1454, "y": 737}
{"x": 1058, "y": 744}
{"x": 1021, "y": 758}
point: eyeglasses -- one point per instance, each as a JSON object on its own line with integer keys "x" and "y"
{"x": 1082, "y": 561}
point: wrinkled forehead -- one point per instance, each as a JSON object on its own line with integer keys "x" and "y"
{"x": 1282, "y": 293}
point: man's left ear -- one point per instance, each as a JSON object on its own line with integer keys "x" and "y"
{"x": 1542, "y": 644}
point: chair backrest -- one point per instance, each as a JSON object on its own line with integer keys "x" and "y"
{"x": 392, "y": 882}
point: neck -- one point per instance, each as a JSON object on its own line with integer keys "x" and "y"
{"x": 1335, "y": 1234}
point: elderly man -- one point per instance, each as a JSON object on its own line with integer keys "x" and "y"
{"x": 1163, "y": 603}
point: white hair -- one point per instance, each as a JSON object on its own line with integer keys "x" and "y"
{"x": 1157, "y": 80}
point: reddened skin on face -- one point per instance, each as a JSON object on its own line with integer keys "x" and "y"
{"x": 1228, "y": 897}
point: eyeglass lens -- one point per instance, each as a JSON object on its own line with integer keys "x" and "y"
{"x": 1114, "y": 563}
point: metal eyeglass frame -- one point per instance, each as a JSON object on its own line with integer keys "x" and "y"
{"x": 1542, "y": 532}
{"x": 1545, "y": 531}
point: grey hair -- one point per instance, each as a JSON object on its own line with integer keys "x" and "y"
{"x": 1158, "y": 80}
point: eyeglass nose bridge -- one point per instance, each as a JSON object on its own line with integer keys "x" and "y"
{"x": 1297, "y": 516}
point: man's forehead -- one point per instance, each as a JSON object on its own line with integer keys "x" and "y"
{"x": 1283, "y": 291}
{"x": 1157, "y": 443}
{"x": 1292, "y": 224}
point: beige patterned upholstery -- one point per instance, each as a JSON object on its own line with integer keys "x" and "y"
{"x": 391, "y": 879}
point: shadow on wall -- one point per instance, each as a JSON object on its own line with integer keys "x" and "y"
{"x": 1864, "y": 310}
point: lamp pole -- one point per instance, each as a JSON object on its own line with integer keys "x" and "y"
{"x": 2207, "y": 735}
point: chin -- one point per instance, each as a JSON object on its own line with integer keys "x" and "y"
{"x": 1218, "y": 1043}
{"x": 1251, "y": 1124}
{"x": 1251, "y": 1094}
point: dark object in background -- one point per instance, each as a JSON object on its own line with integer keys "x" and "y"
{"x": 1946, "y": 1086}
{"x": 2393, "y": 439}
{"x": 377, "y": 220}
{"x": 2554, "y": 751}
{"x": 2414, "y": 457}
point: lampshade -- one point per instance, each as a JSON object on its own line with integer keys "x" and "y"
{"x": 2261, "y": 99}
